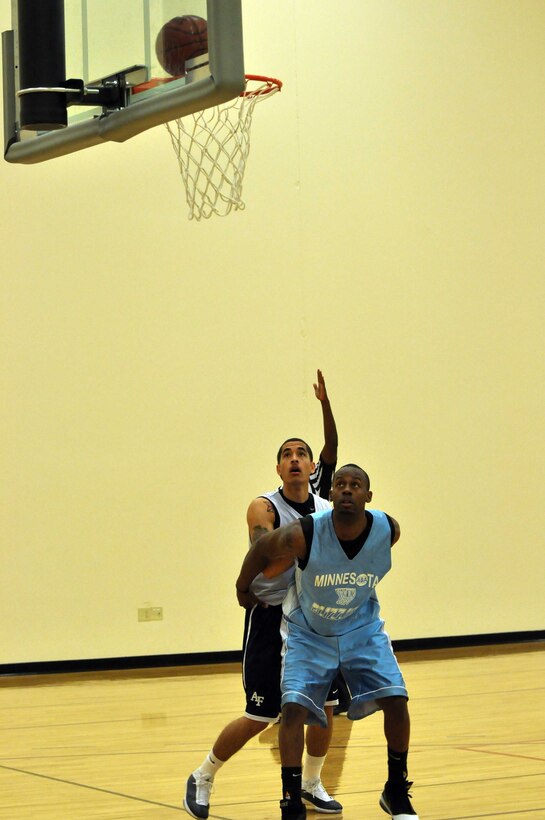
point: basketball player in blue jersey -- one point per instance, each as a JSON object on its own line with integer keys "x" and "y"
{"x": 262, "y": 643}
{"x": 332, "y": 622}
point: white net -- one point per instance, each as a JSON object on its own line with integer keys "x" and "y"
{"x": 212, "y": 147}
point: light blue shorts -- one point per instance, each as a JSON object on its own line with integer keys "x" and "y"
{"x": 364, "y": 656}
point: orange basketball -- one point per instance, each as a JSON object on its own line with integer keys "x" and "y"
{"x": 181, "y": 39}
{"x": 277, "y": 567}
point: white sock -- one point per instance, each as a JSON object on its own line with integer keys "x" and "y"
{"x": 210, "y": 765}
{"x": 313, "y": 768}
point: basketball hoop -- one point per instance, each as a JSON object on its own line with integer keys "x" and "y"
{"x": 212, "y": 147}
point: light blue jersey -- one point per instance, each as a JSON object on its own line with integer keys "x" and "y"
{"x": 335, "y": 594}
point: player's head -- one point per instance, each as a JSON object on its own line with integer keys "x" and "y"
{"x": 355, "y": 468}
{"x": 289, "y": 441}
{"x": 294, "y": 462}
{"x": 350, "y": 490}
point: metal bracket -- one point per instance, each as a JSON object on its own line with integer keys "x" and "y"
{"x": 111, "y": 93}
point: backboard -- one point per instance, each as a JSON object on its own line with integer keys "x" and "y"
{"x": 81, "y": 72}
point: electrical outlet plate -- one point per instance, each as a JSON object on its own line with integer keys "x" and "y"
{"x": 150, "y": 613}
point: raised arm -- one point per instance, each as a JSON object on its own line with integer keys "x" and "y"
{"x": 287, "y": 541}
{"x": 331, "y": 439}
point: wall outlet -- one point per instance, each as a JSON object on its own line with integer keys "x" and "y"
{"x": 150, "y": 613}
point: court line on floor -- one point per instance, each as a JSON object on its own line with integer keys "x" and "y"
{"x": 499, "y": 754}
{"x": 92, "y": 788}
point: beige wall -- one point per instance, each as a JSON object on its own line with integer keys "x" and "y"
{"x": 393, "y": 236}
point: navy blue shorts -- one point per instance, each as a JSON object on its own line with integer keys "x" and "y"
{"x": 262, "y": 664}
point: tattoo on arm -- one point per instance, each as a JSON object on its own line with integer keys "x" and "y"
{"x": 257, "y": 532}
{"x": 288, "y": 540}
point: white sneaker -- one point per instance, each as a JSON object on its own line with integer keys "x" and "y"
{"x": 197, "y": 796}
{"x": 314, "y": 794}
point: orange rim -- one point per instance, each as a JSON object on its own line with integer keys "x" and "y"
{"x": 271, "y": 83}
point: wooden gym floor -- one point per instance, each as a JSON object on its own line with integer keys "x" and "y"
{"x": 120, "y": 745}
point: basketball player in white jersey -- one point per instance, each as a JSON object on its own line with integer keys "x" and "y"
{"x": 262, "y": 640}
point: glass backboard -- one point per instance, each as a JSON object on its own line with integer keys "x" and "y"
{"x": 126, "y": 66}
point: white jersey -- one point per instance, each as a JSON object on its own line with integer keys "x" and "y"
{"x": 273, "y": 590}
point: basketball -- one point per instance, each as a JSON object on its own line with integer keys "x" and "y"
{"x": 181, "y": 39}
{"x": 277, "y": 567}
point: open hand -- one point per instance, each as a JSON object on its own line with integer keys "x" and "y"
{"x": 319, "y": 388}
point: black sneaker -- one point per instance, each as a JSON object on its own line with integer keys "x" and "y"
{"x": 313, "y": 793}
{"x": 291, "y": 811}
{"x": 197, "y": 796}
{"x": 395, "y": 801}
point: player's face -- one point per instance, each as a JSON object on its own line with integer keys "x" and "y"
{"x": 295, "y": 465}
{"x": 350, "y": 491}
